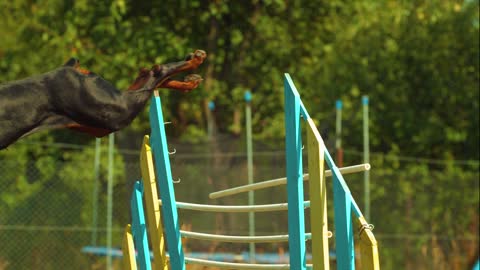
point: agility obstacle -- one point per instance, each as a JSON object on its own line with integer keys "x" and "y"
{"x": 135, "y": 245}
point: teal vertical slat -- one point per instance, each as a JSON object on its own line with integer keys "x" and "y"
{"x": 158, "y": 142}
{"x": 343, "y": 201}
{"x": 343, "y": 227}
{"x": 293, "y": 140}
{"x": 477, "y": 265}
{"x": 335, "y": 171}
{"x": 366, "y": 157}
{"x": 139, "y": 228}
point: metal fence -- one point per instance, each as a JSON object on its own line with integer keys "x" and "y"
{"x": 425, "y": 213}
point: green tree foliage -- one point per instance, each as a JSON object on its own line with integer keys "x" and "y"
{"x": 418, "y": 61}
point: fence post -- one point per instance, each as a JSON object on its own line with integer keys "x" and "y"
{"x": 251, "y": 197}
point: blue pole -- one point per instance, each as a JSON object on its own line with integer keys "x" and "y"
{"x": 251, "y": 199}
{"x": 366, "y": 157}
{"x": 338, "y": 137}
{"x": 211, "y": 107}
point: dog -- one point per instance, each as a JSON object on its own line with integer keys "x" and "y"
{"x": 80, "y": 100}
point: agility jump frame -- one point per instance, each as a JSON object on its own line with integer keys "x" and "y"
{"x": 156, "y": 146}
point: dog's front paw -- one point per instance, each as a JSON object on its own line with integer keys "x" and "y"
{"x": 191, "y": 81}
{"x": 193, "y": 77}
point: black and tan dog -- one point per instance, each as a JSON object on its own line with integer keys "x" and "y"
{"x": 74, "y": 98}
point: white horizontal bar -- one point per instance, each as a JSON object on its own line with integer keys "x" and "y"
{"x": 282, "y": 181}
{"x": 235, "y": 208}
{"x": 239, "y": 239}
{"x": 228, "y": 265}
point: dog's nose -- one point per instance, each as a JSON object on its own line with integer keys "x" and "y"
{"x": 200, "y": 54}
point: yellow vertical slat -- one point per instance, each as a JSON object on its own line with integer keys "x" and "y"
{"x": 368, "y": 247}
{"x": 128, "y": 249}
{"x": 154, "y": 221}
{"x": 318, "y": 198}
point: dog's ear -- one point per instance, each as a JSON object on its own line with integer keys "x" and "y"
{"x": 72, "y": 62}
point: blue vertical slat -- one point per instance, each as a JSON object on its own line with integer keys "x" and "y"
{"x": 477, "y": 265}
{"x": 335, "y": 171}
{"x": 139, "y": 228}
{"x": 158, "y": 142}
{"x": 343, "y": 227}
{"x": 343, "y": 201}
{"x": 293, "y": 140}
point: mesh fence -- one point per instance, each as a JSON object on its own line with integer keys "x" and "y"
{"x": 425, "y": 213}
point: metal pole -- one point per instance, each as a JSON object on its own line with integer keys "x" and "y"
{"x": 366, "y": 157}
{"x": 96, "y": 173}
{"x": 251, "y": 215}
{"x": 111, "y": 142}
{"x": 338, "y": 139}
{"x": 211, "y": 107}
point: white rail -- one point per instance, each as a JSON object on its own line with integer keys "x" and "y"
{"x": 282, "y": 181}
{"x": 227, "y": 265}
{"x": 239, "y": 239}
{"x": 235, "y": 208}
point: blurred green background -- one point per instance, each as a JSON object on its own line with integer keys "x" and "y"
{"x": 418, "y": 61}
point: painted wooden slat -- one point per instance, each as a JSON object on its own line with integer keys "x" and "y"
{"x": 128, "y": 249}
{"x": 343, "y": 226}
{"x": 139, "y": 228}
{"x": 155, "y": 227}
{"x": 293, "y": 140}
{"x": 336, "y": 171}
{"x": 343, "y": 202}
{"x": 368, "y": 247}
{"x": 158, "y": 142}
{"x": 318, "y": 198}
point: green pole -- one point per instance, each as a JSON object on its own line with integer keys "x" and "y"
{"x": 251, "y": 215}
{"x": 366, "y": 157}
{"x": 111, "y": 142}
{"x": 338, "y": 137}
{"x": 96, "y": 173}
{"x": 211, "y": 107}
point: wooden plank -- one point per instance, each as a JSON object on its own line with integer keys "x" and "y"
{"x": 368, "y": 247}
{"x": 318, "y": 198}
{"x": 158, "y": 142}
{"x": 128, "y": 250}
{"x": 139, "y": 228}
{"x": 155, "y": 227}
{"x": 293, "y": 140}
